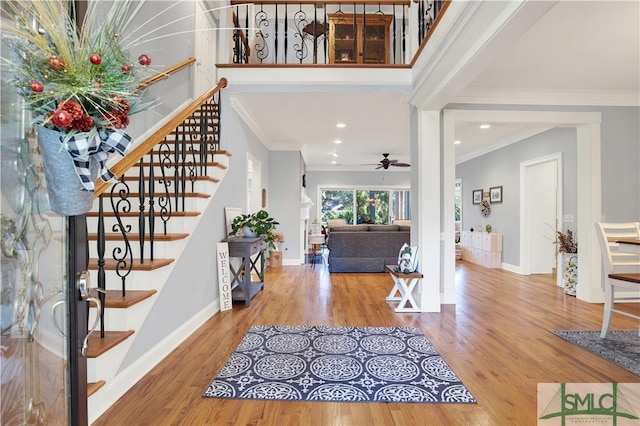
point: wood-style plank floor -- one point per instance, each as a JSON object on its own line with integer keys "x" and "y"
{"x": 496, "y": 339}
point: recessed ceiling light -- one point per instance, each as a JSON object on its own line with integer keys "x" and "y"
{"x": 334, "y": 162}
{"x": 456, "y": 142}
{"x": 485, "y": 126}
{"x": 341, "y": 125}
{"x": 334, "y": 154}
{"x": 337, "y": 141}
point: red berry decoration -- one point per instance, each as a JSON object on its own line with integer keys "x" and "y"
{"x": 95, "y": 59}
{"x": 56, "y": 63}
{"x": 62, "y": 118}
{"x": 144, "y": 60}
{"x": 126, "y": 69}
{"x": 36, "y": 86}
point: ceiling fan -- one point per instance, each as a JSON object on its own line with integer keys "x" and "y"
{"x": 385, "y": 163}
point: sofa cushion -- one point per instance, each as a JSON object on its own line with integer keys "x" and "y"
{"x": 331, "y": 223}
{"x": 401, "y": 222}
{"x": 383, "y": 228}
{"x": 404, "y": 228}
{"x": 350, "y": 228}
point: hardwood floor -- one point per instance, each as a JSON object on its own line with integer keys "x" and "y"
{"x": 496, "y": 339}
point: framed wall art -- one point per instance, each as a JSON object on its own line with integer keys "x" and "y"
{"x": 495, "y": 194}
{"x": 477, "y": 196}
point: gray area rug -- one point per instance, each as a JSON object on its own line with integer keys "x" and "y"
{"x": 622, "y": 347}
{"x": 340, "y": 364}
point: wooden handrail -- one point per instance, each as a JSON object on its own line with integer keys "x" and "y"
{"x": 161, "y": 75}
{"x": 143, "y": 148}
{"x": 444, "y": 8}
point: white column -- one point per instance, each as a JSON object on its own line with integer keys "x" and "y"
{"x": 448, "y": 215}
{"x": 425, "y": 211}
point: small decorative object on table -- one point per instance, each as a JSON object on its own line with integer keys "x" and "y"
{"x": 568, "y": 246}
{"x": 488, "y": 228}
{"x": 81, "y": 86}
{"x": 407, "y": 259}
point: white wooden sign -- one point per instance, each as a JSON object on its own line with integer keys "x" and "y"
{"x": 224, "y": 279}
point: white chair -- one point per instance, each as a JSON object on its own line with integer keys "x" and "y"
{"x": 621, "y": 270}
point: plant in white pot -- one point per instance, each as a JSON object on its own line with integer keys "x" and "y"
{"x": 258, "y": 224}
{"x": 568, "y": 245}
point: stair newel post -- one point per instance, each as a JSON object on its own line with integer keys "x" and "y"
{"x": 141, "y": 209}
{"x": 152, "y": 212}
{"x": 101, "y": 247}
{"x": 122, "y": 257}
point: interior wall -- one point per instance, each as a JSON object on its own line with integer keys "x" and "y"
{"x": 284, "y": 200}
{"x": 502, "y": 167}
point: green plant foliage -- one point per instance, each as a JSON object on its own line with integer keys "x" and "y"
{"x": 261, "y": 223}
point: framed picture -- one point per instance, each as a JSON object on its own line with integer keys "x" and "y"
{"x": 477, "y": 196}
{"x": 495, "y": 194}
{"x": 230, "y": 213}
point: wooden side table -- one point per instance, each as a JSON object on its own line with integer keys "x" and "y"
{"x": 243, "y": 288}
{"x": 404, "y": 284}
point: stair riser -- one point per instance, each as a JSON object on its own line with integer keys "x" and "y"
{"x": 174, "y": 225}
{"x": 102, "y": 367}
{"x": 135, "y": 280}
{"x": 130, "y": 318}
{"x": 190, "y": 204}
{"x": 162, "y": 249}
{"x": 169, "y": 173}
{"x": 132, "y": 184}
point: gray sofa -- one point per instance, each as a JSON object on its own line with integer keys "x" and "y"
{"x": 365, "y": 248}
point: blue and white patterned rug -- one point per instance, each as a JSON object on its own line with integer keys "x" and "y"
{"x": 340, "y": 364}
{"x": 621, "y": 347}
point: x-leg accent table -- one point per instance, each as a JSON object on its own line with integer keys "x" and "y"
{"x": 404, "y": 284}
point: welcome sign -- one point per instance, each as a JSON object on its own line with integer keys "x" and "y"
{"x": 224, "y": 280}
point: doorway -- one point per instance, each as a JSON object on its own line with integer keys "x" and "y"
{"x": 254, "y": 184}
{"x": 541, "y": 206}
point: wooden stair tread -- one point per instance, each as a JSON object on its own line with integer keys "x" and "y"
{"x": 114, "y": 299}
{"x": 98, "y": 346}
{"x": 94, "y": 386}
{"x": 632, "y": 277}
{"x": 134, "y": 178}
{"x": 208, "y": 164}
{"x": 148, "y": 265}
{"x": 116, "y": 236}
{"x": 164, "y": 194}
{"x": 146, "y": 213}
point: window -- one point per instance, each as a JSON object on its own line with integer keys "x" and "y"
{"x": 379, "y": 206}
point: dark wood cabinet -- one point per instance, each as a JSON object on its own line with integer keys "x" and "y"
{"x": 359, "y": 39}
{"x": 244, "y": 288}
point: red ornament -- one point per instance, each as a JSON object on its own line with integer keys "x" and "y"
{"x": 36, "y": 86}
{"x": 62, "y": 118}
{"x": 56, "y": 63}
{"x": 144, "y": 60}
{"x": 95, "y": 59}
{"x": 126, "y": 69}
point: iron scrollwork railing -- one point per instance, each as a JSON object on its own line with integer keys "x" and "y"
{"x": 184, "y": 156}
{"x": 288, "y": 32}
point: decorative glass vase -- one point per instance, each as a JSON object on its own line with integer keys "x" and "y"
{"x": 570, "y": 274}
{"x": 67, "y": 195}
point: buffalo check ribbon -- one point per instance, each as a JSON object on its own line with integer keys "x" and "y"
{"x": 96, "y": 145}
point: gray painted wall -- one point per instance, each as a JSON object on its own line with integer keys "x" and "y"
{"x": 620, "y": 156}
{"x": 284, "y": 199}
{"x": 502, "y": 167}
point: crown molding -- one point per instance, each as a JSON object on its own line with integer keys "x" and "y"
{"x": 572, "y": 97}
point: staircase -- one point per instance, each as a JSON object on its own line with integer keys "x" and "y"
{"x": 139, "y": 227}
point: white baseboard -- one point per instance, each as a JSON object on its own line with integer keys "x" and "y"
{"x": 511, "y": 268}
{"x": 111, "y": 392}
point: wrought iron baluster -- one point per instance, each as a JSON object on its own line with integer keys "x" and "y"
{"x": 123, "y": 257}
{"x": 326, "y": 34}
{"x": 152, "y": 201}
{"x": 286, "y": 32}
{"x": 165, "y": 201}
{"x": 275, "y": 38}
{"x": 404, "y": 36}
{"x": 260, "y": 44}
{"x": 191, "y": 164}
{"x": 101, "y": 246}
{"x": 395, "y": 29}
{"x": 182, "y": 175}
{"x": 141, "y": 220}
{"x": 300, "y": 22}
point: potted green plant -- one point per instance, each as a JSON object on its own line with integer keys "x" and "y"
{"x": 258, "y": 224}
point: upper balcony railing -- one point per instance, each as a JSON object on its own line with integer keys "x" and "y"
{"x": 363, "y": 33}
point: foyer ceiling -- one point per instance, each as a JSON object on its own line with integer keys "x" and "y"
{"x": 578, "y": 53}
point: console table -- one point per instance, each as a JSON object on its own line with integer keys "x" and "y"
{"x": 243, "y": 288}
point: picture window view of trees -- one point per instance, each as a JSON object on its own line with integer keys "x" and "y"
{"x": 366, "y": 205}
